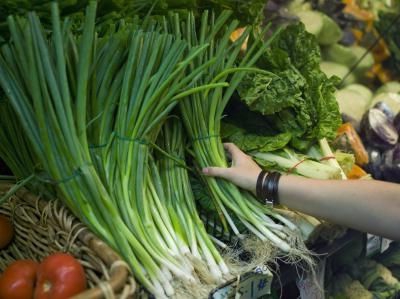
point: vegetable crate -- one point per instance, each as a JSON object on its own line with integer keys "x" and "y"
{"x": 44, "y": 227}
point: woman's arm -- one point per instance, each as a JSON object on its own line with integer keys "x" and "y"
{"x": 370, "y": 206}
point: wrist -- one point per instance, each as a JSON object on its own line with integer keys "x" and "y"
{"x": 267, "y": 187}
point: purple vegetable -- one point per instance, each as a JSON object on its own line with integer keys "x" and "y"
{"x": 385, "y": 109}
{"x": 377, "y": 130}
{"x": 391, "y": 165}
{"x": 374, "y": 166}
{"x": 396, "y": 123}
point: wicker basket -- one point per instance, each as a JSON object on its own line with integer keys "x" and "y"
{"x": 44, "y": 227}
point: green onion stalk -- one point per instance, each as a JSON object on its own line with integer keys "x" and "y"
{"x": 153, "y": 81}
{"x": 181, "y": 203}
{"x": 34, "y": 76}
{"x": 17, "y": 153}
{"x": 48, "y": 79}
{"x": 14, "y": 146}
{"x": 132, "y": 100}
{"x": 202, "y": 113}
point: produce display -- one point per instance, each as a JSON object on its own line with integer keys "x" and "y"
{"x": 351, "y": 275}
{"x": 115, "y": 107}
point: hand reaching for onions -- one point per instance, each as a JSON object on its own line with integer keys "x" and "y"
{"x": 366, "y": 205}
{"x": 243, "y": 172}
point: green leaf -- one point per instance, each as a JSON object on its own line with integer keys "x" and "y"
{"x": 296, "y": 98}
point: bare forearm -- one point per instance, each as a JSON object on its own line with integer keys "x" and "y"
{"x": 370, "y": 206}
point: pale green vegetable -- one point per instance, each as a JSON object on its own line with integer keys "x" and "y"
{"x": 392, "y": 86}
{"x": 339, "y": 54}
{"x": 356, "y": 290}
{"x": 345, "y": 160}
{"x": 296, "y": 6}
{"x": 351, "y": 103}
{"x": 390, "y": 98}
{"x": 340, "y": 70}
{"x": 330, "y": 33}
{"x": 351, "y": 57}
{"x": 290, "y": 161}
{"x": 364, "y": 63}
{"x": 362, "y": 90}
{"x": 309, "y": 226}
{"x": 343, "y": 286}
{"x": 312, "y": 20}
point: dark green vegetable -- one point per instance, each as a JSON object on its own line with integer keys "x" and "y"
{"x": 72, "y": 91}
{"x": 296, "y": 97}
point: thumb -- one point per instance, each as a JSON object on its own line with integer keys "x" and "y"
{"x": 221, "y": 172}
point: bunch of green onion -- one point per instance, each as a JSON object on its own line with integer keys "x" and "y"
{"x": 202, "y": 114}
{"x": 92, "y": 105}
{"x": 54, "y": 82}
{"x": 180, "y": 201}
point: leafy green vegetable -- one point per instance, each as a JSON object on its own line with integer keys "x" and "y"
{"x": 345, "y": 160}
{"x": 111, "y": 11}
{"x": 251, "y": 142}
{"x": 248, "y": 12}
{"x": 330, "y": 32}
{"x": 375, "y": 277}
{"x": 390, "y": 258}
{"x": 296, "y": 97}
{"x": 344, "y": 287}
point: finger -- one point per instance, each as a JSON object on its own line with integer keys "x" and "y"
{"x": 233, "y": 150}
{"x": 217, "y": 172}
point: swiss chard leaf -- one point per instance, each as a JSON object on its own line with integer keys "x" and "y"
{"x": 295, "y": 97}
{"x": 254, "y": 142}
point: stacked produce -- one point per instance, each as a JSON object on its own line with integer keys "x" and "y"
{"x": 56, "y": 87}
{"x": 284, "y": 118}
{"x": 92, "y": 104}
{"x": 388, "y": 25}
{"x": 375, "y": 116}
{"x": 366, "y": 278}
{"x": 358, "y": 44}
{"x": 349, "y": 274}
{"x": 390, "y": 259}
{"x": 119, "y": 110}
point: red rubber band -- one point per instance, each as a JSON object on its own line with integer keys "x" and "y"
{"x": 327, "y": 158}
{"x": 295, "y": 166}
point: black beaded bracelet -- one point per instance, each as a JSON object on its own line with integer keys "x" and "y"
{"x": 269, "y": 192}
{"x": 259, "y": 184}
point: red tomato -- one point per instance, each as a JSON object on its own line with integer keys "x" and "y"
{"x": 59, "y": 276}
{"x": 6, "y": 231}
{"x": 17, "y": 281}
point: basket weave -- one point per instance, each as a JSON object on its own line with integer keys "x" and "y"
{"x": 44, "y": 227}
